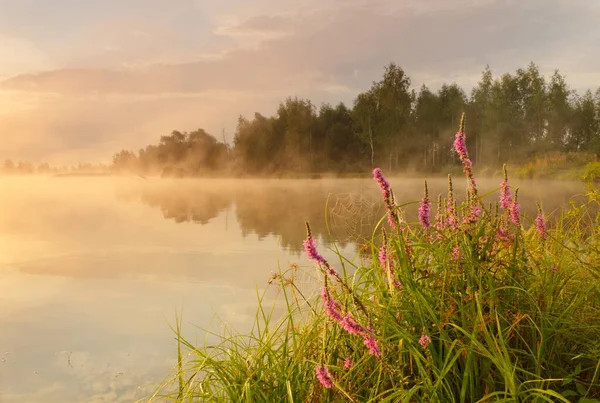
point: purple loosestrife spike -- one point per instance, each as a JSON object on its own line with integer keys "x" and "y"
{"x": 473, "y": 214}
{"x": 350, "y": 325}
{"x": 460, "y": 146}
{"x": 311, "y": 251}
{"x": 455, "y": 253}
{"x": 388, "y": 197}
{"x": 383, "y": 183}
{"x": 505, "y": 196}
{"x": 383, "y": 256}
{"x": 424, "y": 340}
{"x": 348, "y": 363}
{"x": 515, "y": 210}
{"x": 424, "y": 209}
{"x": 451, "y": 221}
{"x": 540, "y": 223}
{"x": 391, "y": 221}
{"x": 330, "y": 305}
{"x": 451, "y": 218}
{"x": 407, "y": 245}
{"x": 503, "y": 234}
{"x": 323, "y": 376}
{"x": 371, "y": 343}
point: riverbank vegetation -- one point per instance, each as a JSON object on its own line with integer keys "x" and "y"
{"x": 522, "y": 118}
{"x": 472, "y": 303}
{"x": 517, "y": 118}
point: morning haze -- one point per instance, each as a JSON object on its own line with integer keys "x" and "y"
{"x": 159, "y": 160}
{"x": 82, "y": 80}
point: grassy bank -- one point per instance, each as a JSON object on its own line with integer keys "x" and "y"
{"x": 561, "y": 166}
{"x": 475, "y": 303}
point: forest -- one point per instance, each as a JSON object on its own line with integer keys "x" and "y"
{"x": 510, "y": 118}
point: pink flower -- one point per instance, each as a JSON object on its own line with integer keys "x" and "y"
{"x": 323, "y": 376}
{"x": 473, "y": 215}
{"x": 384, "y": 185}
{"x": 330, "y": 305}
{"x": 383, "y": 258}
{"x": 371, "y": 343}
{"x": 349, "y": 324}
{"x": 515, "y": 212}
{"x": 311, "y": 251}
{"x": 540, "y": 223}
{"x": 424, "y": 209}
{"x": 451, "y": 221}
{"x": 424, "y": 340}
{"x": 460, "y": 146}
{"x": 348, "y": 363}
{"x": 503, "y": 234}
{"x": 455, "y": 253}
{"x": 387, "y": 197}
{"x": 505, "y": 196}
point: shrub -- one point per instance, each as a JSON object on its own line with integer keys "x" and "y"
{"x": 592, "y": 172}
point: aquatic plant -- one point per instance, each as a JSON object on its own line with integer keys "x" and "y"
{"x": 505, "y": 196}
{"x": 540, "y": 223}
{"x": 388, "y": 197}
{"x": 424, "y": 209}
{"x": 323, "y": 376}
{"x": 460, "y": 146}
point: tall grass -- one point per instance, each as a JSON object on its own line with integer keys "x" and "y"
{"x": 476, "y": 304}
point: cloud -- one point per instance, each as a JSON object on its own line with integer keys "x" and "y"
{"x": 20, "y": 54}
{"x": 325, "y": 47}
{"x": 262, "y": 25}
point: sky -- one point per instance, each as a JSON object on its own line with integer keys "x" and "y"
{"x": 80, "y": 80}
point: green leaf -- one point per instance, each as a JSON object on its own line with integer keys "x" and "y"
{"x": 581, "y": 389}
{"x": 289, "y": 391}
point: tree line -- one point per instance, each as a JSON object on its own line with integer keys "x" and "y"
{"x": 510, "y": 118}
{"x": 513, "y": 117}
{"x": 10, "y": 167}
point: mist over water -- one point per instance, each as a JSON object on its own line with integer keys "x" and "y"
{"x": 92, "y": 270}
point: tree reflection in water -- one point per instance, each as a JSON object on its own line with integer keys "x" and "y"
{"x": 267, "y": 207}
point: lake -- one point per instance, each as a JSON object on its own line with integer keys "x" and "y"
{"x": 94, "y": 270}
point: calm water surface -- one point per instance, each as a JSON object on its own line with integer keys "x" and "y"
{"x": 93, "y": 270}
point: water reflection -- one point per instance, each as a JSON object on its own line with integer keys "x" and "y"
{"x": 353, "y": 207}
{"x": 269, "y": 208}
